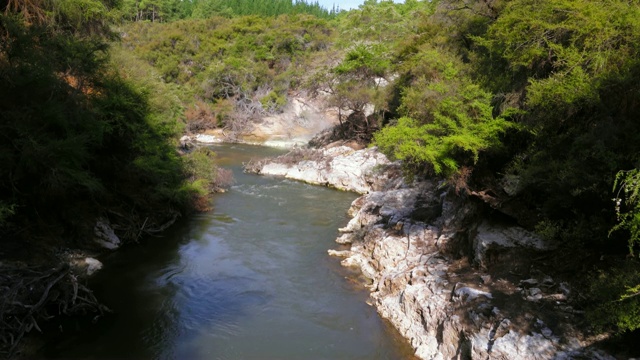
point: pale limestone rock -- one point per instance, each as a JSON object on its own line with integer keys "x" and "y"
{"x": 302, "y": 117}
{"x": 339, "y": 253}
{"x": 207, "y": 139}
{"x": 411, "y": 286}
{"x": 92, "y": 265}
{"x": 345, "y": 239}
{"x": 340, "y": 167}
{"x": 82, "y": 264}
{"x": 489, "y": 236}
{"x": 468, "y": 294}
{"x": 105, "y": 236}
{"x": 529, "y": 282}
{"x": 275, "y": 169}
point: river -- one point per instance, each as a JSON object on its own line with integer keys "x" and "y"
{"x": 249, "y": 280}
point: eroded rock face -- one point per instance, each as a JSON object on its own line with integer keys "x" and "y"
{"x": 340, "y": 167}
{"x": 437, "y": 271}
{"x": 303, "y": 117}
{"x": 83, "y": 264}
{"x": 446, "y": 309}
{"x": 105, "y": 236}
{"x": 93, "y": 265}
{"x": 490, "y": 237}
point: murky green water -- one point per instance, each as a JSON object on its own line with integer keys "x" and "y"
{"x": 249, "y": 280}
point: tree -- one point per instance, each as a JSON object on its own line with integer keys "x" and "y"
{"x": 448, "y": 119}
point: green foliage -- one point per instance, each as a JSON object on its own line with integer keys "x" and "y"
{"x": 462, "y": 126}
{"x": 355, "y": 82}
{"x": 382, "y": 22}
{"x": 615, "y": 300}
{"x": 364, "y": 62}
{"x": 171, "y": 10}
{"x": 573, "y": 65}
{"x": 627, "y": 205}
{"x": 570, "y": 48}
{"x": 79, "y": 134}
{"x": 202, "y": 173}
{"x": 248, "y": 61}
{"x": 447, "y": 120}
{"x": 79, "y": 13}
{"x": 6, "y": 211}
{"x": 273, "y": 102}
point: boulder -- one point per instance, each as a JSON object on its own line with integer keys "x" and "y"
{"x": 340, "y": 167}
{"x": 207, "y": 139}
{"x": 82, "y": 263}
{"x": 92, "y": 265}
{"x": 491, "y": 237}
{"x": 105, "y": 236}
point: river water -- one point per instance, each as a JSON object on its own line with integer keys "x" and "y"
{"x": 249, "y": 280}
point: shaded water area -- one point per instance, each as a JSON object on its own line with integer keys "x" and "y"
{"x": 249, "y": 280}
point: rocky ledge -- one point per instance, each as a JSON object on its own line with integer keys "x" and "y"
{"x": 455, "y": 284}
{"x": 340, "y": 167}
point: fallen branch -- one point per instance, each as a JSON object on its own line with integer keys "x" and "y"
{"x": 29, "y": 294}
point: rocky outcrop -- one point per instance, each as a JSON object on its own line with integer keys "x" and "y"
{"x": 104, "y": 236}
{"x": 455, "y": 284}
{"x": 302, "y": 118}
{"x": 340, "y": 167}
{"x": 294, "y": 125}
{"x": 450, "y": 306}
{"x": 82, "y": 264}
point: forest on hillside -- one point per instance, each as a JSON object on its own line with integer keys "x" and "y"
{"x": 171, "y": 10}
{"x": 531, "y": 106}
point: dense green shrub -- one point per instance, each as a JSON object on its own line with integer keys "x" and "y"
{"x": 614, "y": 300}
{"x": 462, "y": 126}
{"x": 80, "y": 135}
{"x": 250, "y": 62}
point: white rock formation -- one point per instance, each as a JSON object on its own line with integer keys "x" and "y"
{"x": 105, "y": 236}
{"x": 207, "y": 139}
{"x": 489, "y": 236}
{"x": 302, "y": 118}
{"x": 416, "y": 283}
{"x": 413, "y": 286}
{"x": 340, "y": 167}
{"x": 92, "y": 265}
{"x": 83, "y": 264}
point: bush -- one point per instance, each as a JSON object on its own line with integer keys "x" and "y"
{"x": 461, "y": 128}
{"x": 200, "y": 117}
{"x": 614, "y": 298}
{"x": 82, "y": 135}
{"x": 273, "y": 102}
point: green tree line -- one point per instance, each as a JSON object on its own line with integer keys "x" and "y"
{"x": 171, "y": 10}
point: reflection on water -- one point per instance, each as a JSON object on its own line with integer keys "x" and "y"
{"x": 249, "y": 280}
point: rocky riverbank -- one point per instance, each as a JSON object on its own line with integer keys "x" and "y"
{"x": 340, "y": 167}
{"x": 456, "y": 283}
{"x": 301, "y": 119}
